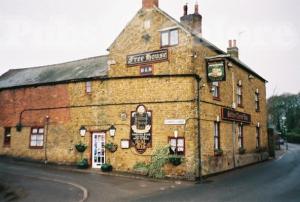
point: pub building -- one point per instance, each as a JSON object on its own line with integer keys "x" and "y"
{"x": 161, "y": 83}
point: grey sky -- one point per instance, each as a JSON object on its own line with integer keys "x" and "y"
{"x": 41, "y": 32}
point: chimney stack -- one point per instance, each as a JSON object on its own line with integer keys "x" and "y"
{"x": 192, "y": 21}
{"x": 233, "y": 50}
{"x": 148, "y": 4}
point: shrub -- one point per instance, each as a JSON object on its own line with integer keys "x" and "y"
{"x": 106, "y": 167}
{"x": 83, "y": 164}
{"x": 159, "y": 159}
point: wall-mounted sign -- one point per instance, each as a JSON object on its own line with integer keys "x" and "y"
{"x": 125, "y": 144}
{"x": 231, "y": 115}
{"x": 174, "y": 122}
{"x": 141, "y": 129}
{"x": 216, "y": 71}
{"x": 148, "y": 57}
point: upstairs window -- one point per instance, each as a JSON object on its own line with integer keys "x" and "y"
{"x": 7, "y": 137}
{"x": 239, "y": 94}
{"x": 257, "y": 137}
{"x": 240, "y": 136}
{"x": 216, "y": 90}
{"x": 177, "y": 145}
{"x": 217, "y": 144}
{"x": 37, "y": 138}
{"x": 169, "y": 38}
{"x": 88, "y": 87}
{"x": 257, "y": 107}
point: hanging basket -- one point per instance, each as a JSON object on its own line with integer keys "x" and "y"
{"x": 111, "y": 147}
{"x": 80, "y": 147}
{"x": 175, "y": 160}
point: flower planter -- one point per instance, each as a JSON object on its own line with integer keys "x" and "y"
{"x": 80, "y": 147}
{"x": 111, "y": 147}
{"x": 218, "y": 152}
{"x": 175, "y": 160}
{"x": 83, "y": 164}
{"x": 106, "y": 167}
{"x": 242, "y": 151}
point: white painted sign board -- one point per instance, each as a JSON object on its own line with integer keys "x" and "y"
{"x": 174, "y": 122}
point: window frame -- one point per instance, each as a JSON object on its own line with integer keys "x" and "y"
{"x": 176, "y": 149}
{"x": 217, "y": 136}
{"x": 169, "y": 38}
{"x": 88, "y": 87}
{"x": 257, "y": 131}
{"x": 257, "y": 104}
{"x": 37, "y": 134}
{"x": 241, "y": 136}
{"x": 239, "y": 93}
{"x": 216, "y": 88}
{"x": 7, "y": 139}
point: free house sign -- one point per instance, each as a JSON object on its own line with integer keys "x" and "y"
{"x": 147, "y": 57}
{"x": 141, "y": 129}
{"x": 232, "y": 115}
{"x": 216, "y": 71}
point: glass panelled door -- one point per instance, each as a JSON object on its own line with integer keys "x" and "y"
{"x": 98, "y": 153}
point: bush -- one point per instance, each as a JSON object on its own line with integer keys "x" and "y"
{"x": 293, "y": 138}
{"x": 83, "y": 164}
{"x": 159, "y": 159}
{"x": 106, "y": 167}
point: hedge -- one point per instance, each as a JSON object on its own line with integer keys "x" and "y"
{"x": 292, "y": 138}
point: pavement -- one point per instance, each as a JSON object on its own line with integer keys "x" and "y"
{"x": 274, "y": 180}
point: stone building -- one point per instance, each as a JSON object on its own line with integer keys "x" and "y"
{"x": 161, "y": 83}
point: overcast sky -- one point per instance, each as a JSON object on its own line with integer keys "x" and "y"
{"x": 42, "y": 32}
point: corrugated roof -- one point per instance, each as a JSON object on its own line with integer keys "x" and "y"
{"x": 70, "y": 71}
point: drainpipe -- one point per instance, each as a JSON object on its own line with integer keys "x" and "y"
{"x": 46, "y": 140}
{"x": 198, "y": 160}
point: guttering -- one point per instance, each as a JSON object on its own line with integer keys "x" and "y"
{"x": 100, "y": 78}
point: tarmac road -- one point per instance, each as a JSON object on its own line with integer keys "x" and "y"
{"x": 274, "y": 181}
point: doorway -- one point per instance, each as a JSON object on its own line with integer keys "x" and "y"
{"x": 98, "y": 149}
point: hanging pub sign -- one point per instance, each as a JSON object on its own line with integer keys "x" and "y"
{"x": 147, "y": 57}
{"x": 216, "y": 71}
{"x": 141, "y": 129}
{"x": 231, "y": 115}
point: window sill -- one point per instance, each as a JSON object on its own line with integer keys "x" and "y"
{"x": 36, "y": 147}
{"x": 168, "y": 46}
{"x": 6, "y": 146}
{"x": 217, "y": 98}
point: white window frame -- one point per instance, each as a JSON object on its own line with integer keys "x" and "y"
{"x": 88, "y": 87}
{"x": 37, "y": 137}
{"x": 169, "y": 37}
{"x": 217, "y": 140}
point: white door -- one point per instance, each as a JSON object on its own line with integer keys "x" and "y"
{"x": 98, "y": 153}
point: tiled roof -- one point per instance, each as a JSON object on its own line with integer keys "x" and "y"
{"x": 94, "y": 67}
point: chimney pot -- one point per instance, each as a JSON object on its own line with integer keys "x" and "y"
{"x": 230, "y": 43}
{"x": 150, "y": 3}
{"x": 196, "y": 8}
{"x": 185, "y": 9}
{"x": 232, "y": 50}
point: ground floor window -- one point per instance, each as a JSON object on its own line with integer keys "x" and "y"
{"x": 257, "y": 137}
{"x": 177, "y": 145}
{"x": 241, "y": 136}
{"x": 217, "y": 144}
{"x": 7, "y": 137}
{"x": 37, "y": 138}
